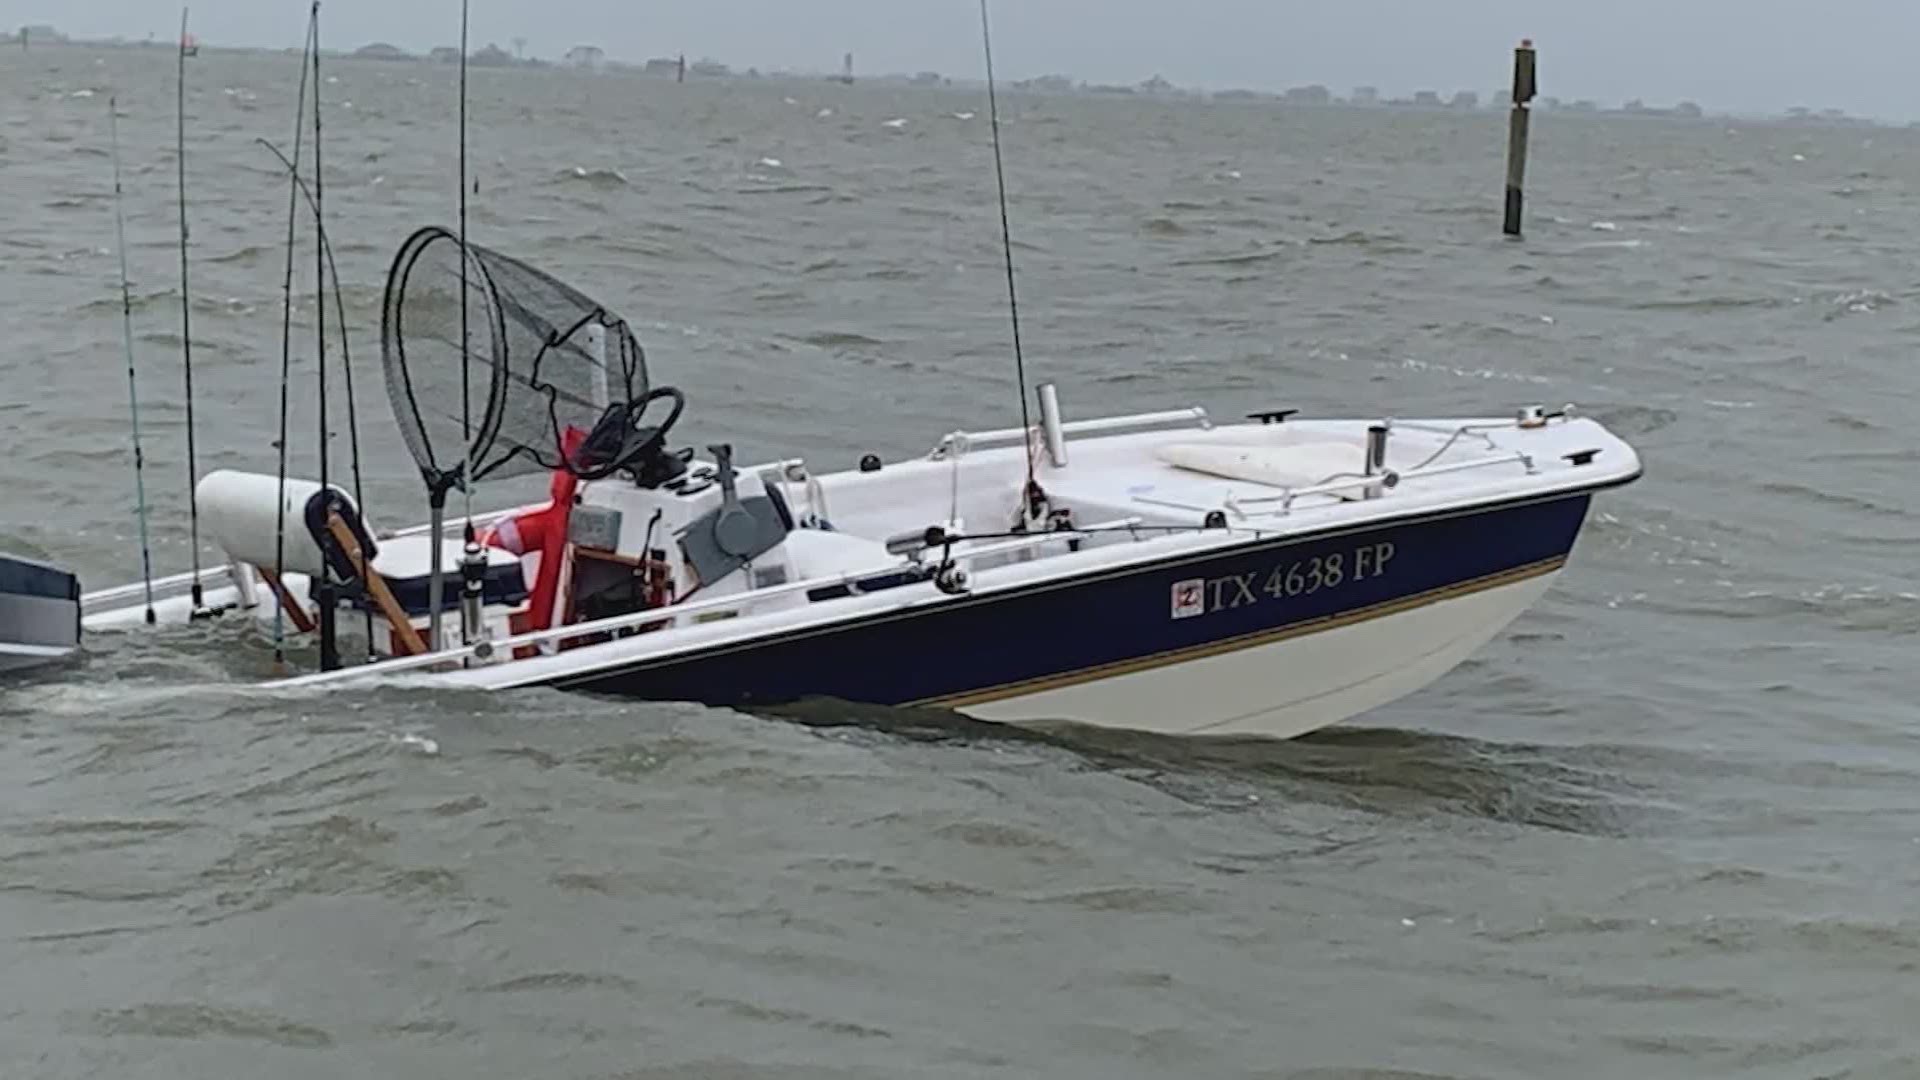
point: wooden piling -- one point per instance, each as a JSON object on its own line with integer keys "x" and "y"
{"x": 1517, "y": 127}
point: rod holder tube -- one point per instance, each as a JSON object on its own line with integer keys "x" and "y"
{"x": 437, "y": 577}
{"x": 1376, "y": 462}
{"x": 1052, "y": 426}
{"x": 473, "y": 584}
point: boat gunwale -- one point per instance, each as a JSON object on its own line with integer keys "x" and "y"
{"x": 617, "y": 655}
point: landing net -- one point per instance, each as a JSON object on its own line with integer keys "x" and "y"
{"x": 541, "y": 358}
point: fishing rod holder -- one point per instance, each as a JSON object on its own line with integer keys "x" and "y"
{"x": 1376, "y": 462}
{"x": 473, "y": 585}
{"x": 1051, "y": 427}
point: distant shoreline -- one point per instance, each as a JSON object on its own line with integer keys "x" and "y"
{"x": 590, "y": 59}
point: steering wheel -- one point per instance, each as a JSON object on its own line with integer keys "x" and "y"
{"x": 618, "y": 441}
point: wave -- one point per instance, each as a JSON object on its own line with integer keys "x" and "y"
{"x": 836, "y": 339}
{"x": 596, "y": 178}
{"x": 1233, "y": 260}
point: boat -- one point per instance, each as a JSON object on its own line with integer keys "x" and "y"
{"x": 1155, "y": 571}
{"x": 39, "y": 614}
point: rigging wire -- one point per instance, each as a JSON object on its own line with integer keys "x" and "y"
{"x": 126, "y": 323}
{"x": 286, "y": 357}
{"x": 186, "y": 320}
{"x": 1006, "y": 240}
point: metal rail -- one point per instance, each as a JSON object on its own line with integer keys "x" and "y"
{"x": 672, "y": 617}
{"x": 1388, "y": 479}
{"x": 1194, "y": 416}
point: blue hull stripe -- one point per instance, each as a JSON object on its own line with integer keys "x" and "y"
{"x": 979, "y": 648}
{"x": 1249, "y": 641}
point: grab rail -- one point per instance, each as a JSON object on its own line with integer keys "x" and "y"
{"x": 671, "y": 617}
{"x": 1388, "y": 479}
{"x": 1015, "y": 436}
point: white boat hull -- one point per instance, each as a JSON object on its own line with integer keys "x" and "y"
{"x": 1216, "y": 606}
{"x": 1296, "y": 684}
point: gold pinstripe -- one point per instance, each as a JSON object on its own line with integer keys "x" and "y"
{"x": 1246, "y": 641}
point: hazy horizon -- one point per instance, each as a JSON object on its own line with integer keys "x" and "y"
{"x": 1769, "y": 55}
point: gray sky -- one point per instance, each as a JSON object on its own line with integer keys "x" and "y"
{"x": 1751, "y": 54}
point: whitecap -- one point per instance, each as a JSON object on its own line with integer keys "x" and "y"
{"x": 1604, "y": 226}
{"x": 81, "y": 94}
{"x": 770, "y": 163}
{"x": 963, "y": 116}
{"x": 824, "y": 113}
{"x": 897, "y": 123}
{"x": 422, "y": 743}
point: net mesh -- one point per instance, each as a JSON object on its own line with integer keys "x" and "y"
{"x": 541, "y": 357}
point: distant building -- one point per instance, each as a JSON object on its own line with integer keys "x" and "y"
{"x": 1308, "y": 95}
{"x": 587, "y": 57}
{"x": 1366, "y": 95}
{"x": 1047, "y": 84}
{"x": 663, "y": 65}
{"x": 929, "y": 78}
{"x": 1156, "y": 85}
{"x": 1584, "y": 105}
{"x": 1502, "y": 99}
{"x": 1688, "y": 110}
{"x": 1427, "y": 98}
{"x": 492, "y": 56}
{"x": 380, "y": 50}
{"x": 712, "y": 69}
{"x": 445, "y": 54}
{"x": 1465, "y": 100}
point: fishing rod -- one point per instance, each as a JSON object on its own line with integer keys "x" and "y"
{"x": 323, "y": 586}
{"x": 186, "y": 323}
{"x": 126, "y": 327}
{"x": 286, "y": 356}
{"x": 346, "y": 350}
{"x": 472, "y": 563}
{"x": 1006, "y": 244}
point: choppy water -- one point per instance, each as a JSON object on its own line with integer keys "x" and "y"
{"x": 1668, "y": 826}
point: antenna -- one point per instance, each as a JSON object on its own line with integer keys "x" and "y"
{"x": 126, "y": 323}
{"x": 286, "y": 356}
{"x": 1006, "y": 241}
{"x": 323, "y": 587}
{"x": 186, "y": 322}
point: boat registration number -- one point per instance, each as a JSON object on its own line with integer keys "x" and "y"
{"x": 1298, "y": 577}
